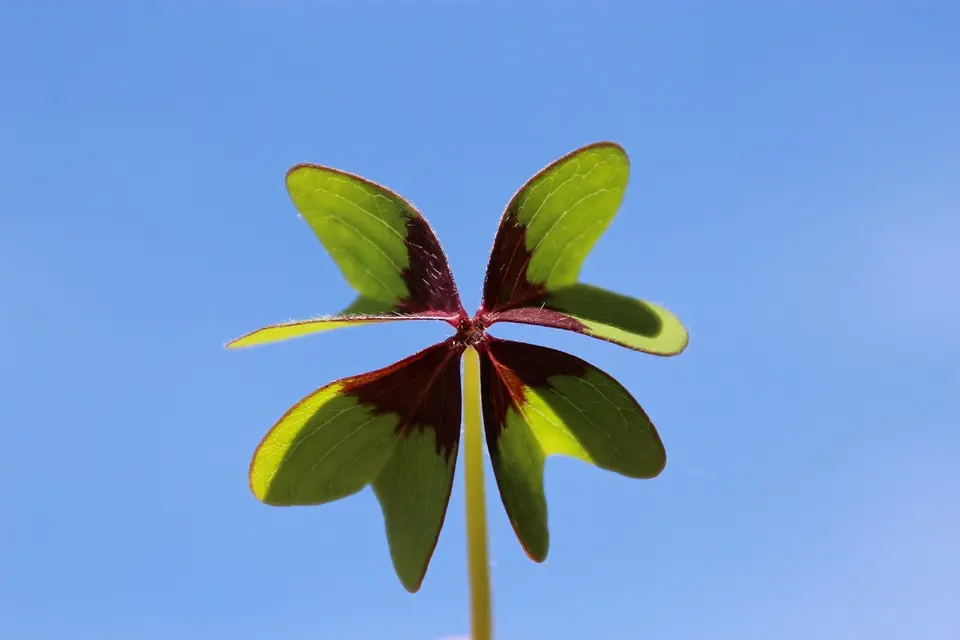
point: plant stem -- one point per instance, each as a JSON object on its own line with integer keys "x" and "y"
{"x": 479, "y": 567}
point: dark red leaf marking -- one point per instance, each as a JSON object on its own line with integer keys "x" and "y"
{"x": 506, "y": 284}
{"x": 424, "y": 390}
{"x": 538, "y": 315}
{"x": 428, "y": 276}
{"x": 507, "y": 368}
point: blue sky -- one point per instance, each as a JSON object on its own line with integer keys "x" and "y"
{"x": 794, "y": 199}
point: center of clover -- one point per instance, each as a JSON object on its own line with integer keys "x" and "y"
{"x": 471, "y": 331}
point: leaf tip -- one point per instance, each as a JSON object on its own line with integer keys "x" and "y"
{"x": 656, "y": 471}
{"x": 536, "y": 553}
{"x": 295, "y": 169}
{"x": 412, "y": 587}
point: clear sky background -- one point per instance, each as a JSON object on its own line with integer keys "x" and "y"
{"x": 795, "y": 199}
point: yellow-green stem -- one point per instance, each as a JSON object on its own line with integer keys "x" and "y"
{"x": 480, "y": 617}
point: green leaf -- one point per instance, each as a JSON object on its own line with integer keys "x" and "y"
{"x": 539, "y": 402}
{"x": 545, "y": 234}
{"x": 299, "y": 328}
{"x": 384, "y": 247}
{"x": 397, "y": 428}
{"x": 603, "y": 314}
{"x": 382, "y": 244}
{"x": 552, "y": 223}
{"x": 414, "y": 490}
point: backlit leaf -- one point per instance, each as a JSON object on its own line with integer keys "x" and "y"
{"x": 545, "y": 234}
{"x": 382, "y": 244}
{"x": 552, "y": 223}
{"x": 385, "y": 249}
{"x": 603, "y": 314}
{"x": 298, "y": 328}
{"x": 539, "y": 402}
{"x": 397, "y": 428}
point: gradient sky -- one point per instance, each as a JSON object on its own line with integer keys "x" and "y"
{"x": 795, "y": 199}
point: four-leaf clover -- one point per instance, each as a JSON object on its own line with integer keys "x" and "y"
{"x": 398, "y": 428}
